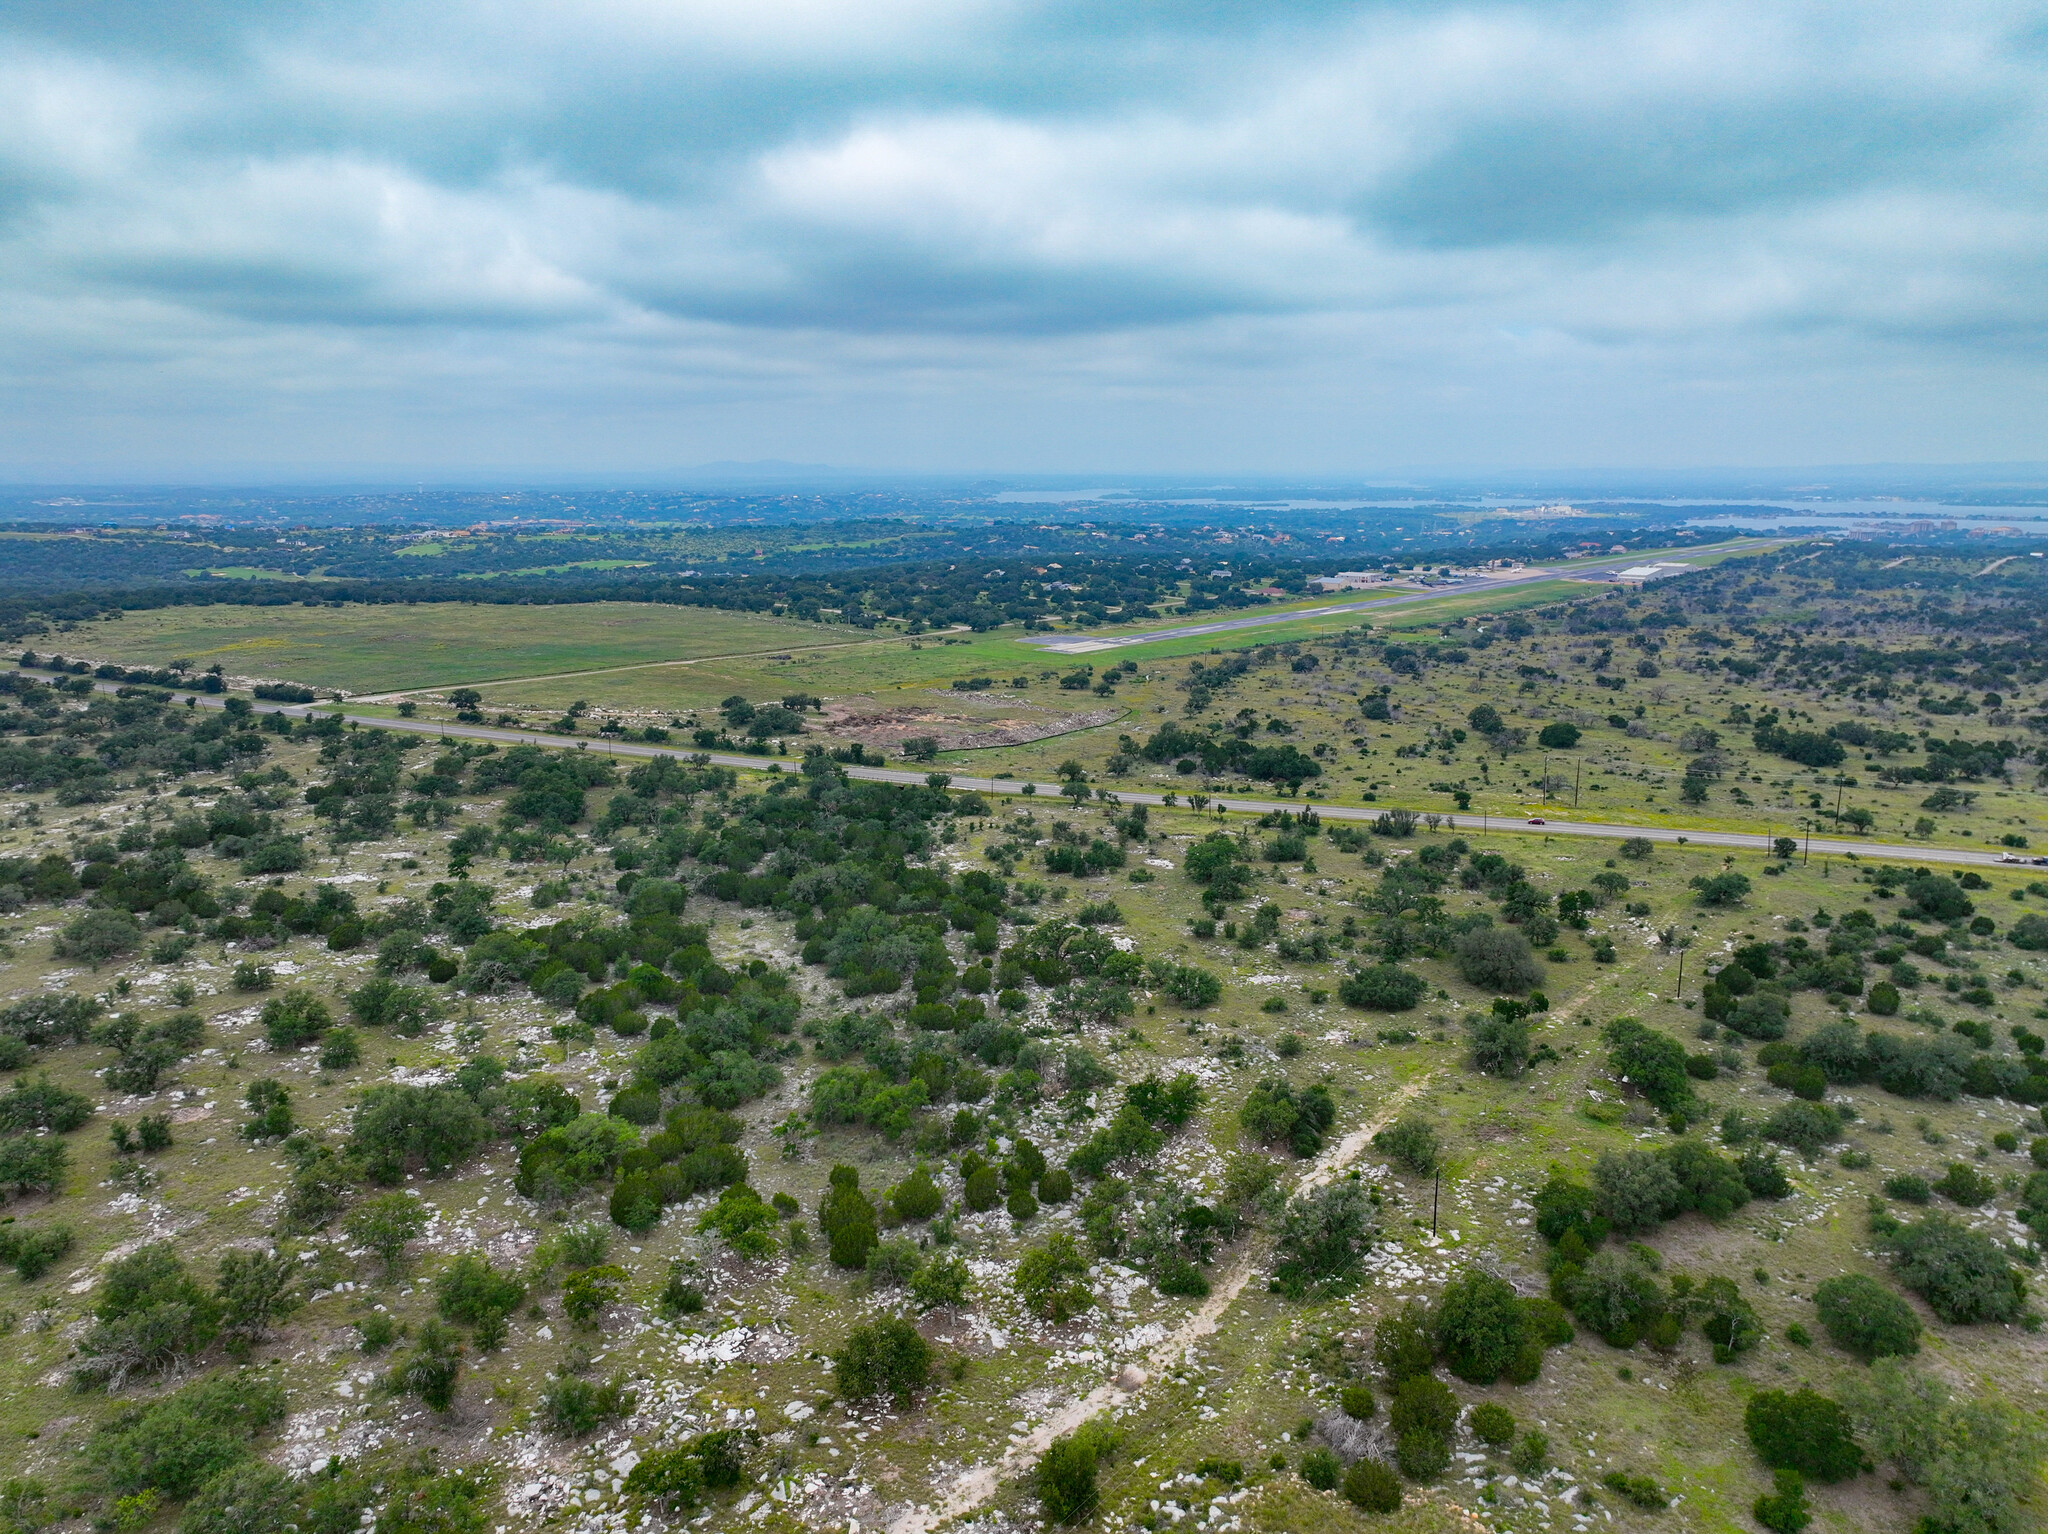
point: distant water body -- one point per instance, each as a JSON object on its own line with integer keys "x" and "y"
{"x": 1738, "y": 514}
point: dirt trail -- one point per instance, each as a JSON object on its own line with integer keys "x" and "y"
{"x": 976, "y": 1485}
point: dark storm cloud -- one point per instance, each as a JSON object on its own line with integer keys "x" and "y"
{"x": 904, "y": 230}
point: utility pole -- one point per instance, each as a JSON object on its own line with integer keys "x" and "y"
{"x": 1435, "y": 1199}
{"x": 1578, "y": 772}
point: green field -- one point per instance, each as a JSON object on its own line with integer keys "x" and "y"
{"x": 432, "y": 644}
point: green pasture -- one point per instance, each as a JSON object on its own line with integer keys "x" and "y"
{"x": 364, "y": 648}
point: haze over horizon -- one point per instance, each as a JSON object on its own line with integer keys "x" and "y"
{"x": 245, "y": 243}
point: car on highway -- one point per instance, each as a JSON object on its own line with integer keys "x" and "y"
{"x": 1536, "y": 820}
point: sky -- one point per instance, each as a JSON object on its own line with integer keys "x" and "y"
{"x": 325, "y": 237}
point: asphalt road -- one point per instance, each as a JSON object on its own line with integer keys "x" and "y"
{"x": 1751, "y": 841}
{"x": 1082, "y": 644}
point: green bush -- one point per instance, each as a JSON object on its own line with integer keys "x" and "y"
{"x": 1055, "y": 1187}
{"x": 1480, "y": 1326}
{"x": 1532, "y": 1455}
{"x": 1963, "y": 1184}
{"x": 430, "y": 1371}
{"x": 1493, "y": 1425}
{"x": 1497, "y": 959}
{"x": 1639, "y": 1489}
{"x": 1804, "y": 1431}
{"x": 1052, "y": 1279}
{"x": 1383, "y": 988}
{"x": 1357, "y": 1402}
{"x": 1423, "y": 1404}
{"x": 1372, "y": 1487}
{"x": 984, "y": 1189}
{"x": 1066, "y": 1475}
{"x": 1411, "y": 1143}
{"x": 576, "y": 1408}
{"x": 1867, "y": 1319}
{"x": 1422, "y": 1455}
{"x": 639, "y": 1103}
{"x": 470, "y": 1291}
{"x": 917, "y": 1197}
{"x": 1404, "y": 1344}
{"x": 1908, "y": 1189}
{"x": 1320, "y": 1468}
{"x": 249, "y": 1498}
{"x": 176, "y": 1443}
{"x": 1963, "y": 1274}
{"x": 940, "y": 1281}
{"x": 1784, "y": 1510}
{"x": 1322, "y": 1236}
{"x": 295, "y": 1019}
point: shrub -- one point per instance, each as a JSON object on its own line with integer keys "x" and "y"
{"x": 385, "y": 1225}
{"x": 1783, "y": 1510}
{"x": 1651, "y": 1062}
{"x": 1961, "y": 1273}
{"x": 941, "y": 1281}
{"x": 1372, "y": 1487}
{"x": 1497, "y": 959}
{"x": 888, "y": 1358}
{"x": 340, "y": 1048}
{"x": 1865, "y": 1318}
{"x": 1052, "y": 1279}
{"x": 151, "y": 1314}
{"x": 743, "y": 1221}
{"x": 1963, "y": 1184}
{"x": 917, "y": 1197}
{"x": 1532, "y": 1454}
{"x": 1614, "y": 1294}
{"x": 1804, "y": 1431}
{"x": 295, "y": 1019}
{"x": 1357, "y": 1402}
{"x": 586, "y": 1294}
{"x": 1807, "y": 1127}
{"x": 1636, "y": 1190}
{"x": 1423, "y": 1404}
{"x": 34, "y": 1252}
{"x": 102, "y": 933}
{"x": 470, "y": 1290}
{"x": 1066, "y": 1475}
{"x": 1639, "y": 1489}
{"x": 1908, "y": 1189}
{"x": 984, "y": 1189}
{"x": 1322, "y": 1236}
{"x": 254, "y": 1289}
{"x": 177, "y": 1443}
{"x": 1320, "y": 1468}
{"x": 576, "y": 1408}
{"x": 1480, "y": 1326}
{"x": 249, "y": 1498}
{"x": 43, "y": 1105}
{"x": 1410, "y": 1142}
{"x": 430, "y": 1371}
{"x": 1493, "y": 1425}
{"x": 1056, "y": 1186}
{"x": 1383, "y": 988}
{"x": 1422, "y": 1456}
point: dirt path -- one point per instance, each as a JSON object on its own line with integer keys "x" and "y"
{"x": 974, "y": 1486}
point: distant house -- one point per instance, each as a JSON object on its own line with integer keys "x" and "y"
{"x": 1346, "y": 580}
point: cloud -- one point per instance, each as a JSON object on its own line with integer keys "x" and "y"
{"x": 909, "y": 232}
